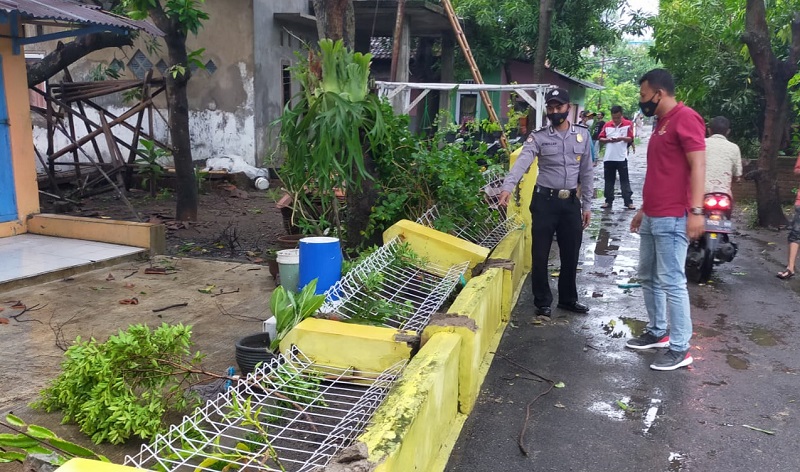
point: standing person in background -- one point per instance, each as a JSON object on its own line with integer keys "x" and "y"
{"x": 599, "y": 122}
{"x": 674, "y": 186}
{"x": 616, "y": 135}
{"x": 564, "y": 158}
{"x": 587, "y": 120}
{"x": 723, "y": 158}
{"x": 794, "y": 233}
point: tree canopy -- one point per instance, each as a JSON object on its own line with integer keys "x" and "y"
{"x": 618, "y": 68}
{"x": 505, "y": 30}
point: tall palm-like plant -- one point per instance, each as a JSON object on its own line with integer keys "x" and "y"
{"x": 328, "y": 135}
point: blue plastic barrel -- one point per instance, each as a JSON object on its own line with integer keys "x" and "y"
{"x": 321, "y": 259}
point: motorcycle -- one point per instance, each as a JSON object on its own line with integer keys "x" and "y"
{"x": 715, "y": 246}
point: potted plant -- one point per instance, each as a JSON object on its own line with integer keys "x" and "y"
{"x": 514, "y": 121}
{"x": 289, "y": 309}
{"x": 446, "y": 126}
{"x": 491, "y": 130}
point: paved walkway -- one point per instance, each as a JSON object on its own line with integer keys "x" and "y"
{"x": 614, "y": 413}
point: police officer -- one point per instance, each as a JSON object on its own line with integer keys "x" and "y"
{"x": 565, "y": 161}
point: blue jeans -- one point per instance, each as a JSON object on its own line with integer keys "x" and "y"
{"x": 662, "y": 252}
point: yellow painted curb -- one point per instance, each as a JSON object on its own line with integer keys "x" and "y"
{"x": 345, "y": 345}
{"x": 128, "y": 233}
{"x": 87, "y": 465}
{"x": 439, "y": 248}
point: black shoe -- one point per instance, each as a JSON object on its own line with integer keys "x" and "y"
{"x": 672, "y": 360}
{"x": 543, "y": 311}
{"x": 576, "y": 307}
{"x": 648, "y": 341}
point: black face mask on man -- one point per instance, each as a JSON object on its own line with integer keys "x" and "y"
{"x": 649, "y": 107}
{"x": 557, "y": 118}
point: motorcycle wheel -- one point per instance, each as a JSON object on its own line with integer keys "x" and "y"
{"x": 706, "y": 264}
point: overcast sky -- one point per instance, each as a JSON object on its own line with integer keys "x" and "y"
{"x": 649, "y": 6}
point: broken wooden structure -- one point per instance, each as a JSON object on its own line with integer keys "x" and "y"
{"x": 66, "y": 111}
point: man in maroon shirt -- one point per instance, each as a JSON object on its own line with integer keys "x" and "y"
{"x": 671, "y": 215}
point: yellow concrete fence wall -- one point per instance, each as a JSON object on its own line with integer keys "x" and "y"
{"x": 20, "y": 134}
{"x": 411, "y": 427}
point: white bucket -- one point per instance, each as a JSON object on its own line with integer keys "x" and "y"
{"x": 289, "y": 268}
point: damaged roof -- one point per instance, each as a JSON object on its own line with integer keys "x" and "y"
{"x": 71, "y": 11}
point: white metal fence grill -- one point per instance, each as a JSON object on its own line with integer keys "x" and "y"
{"x": 381, "y": 285}
{"x": 273, "y": 420}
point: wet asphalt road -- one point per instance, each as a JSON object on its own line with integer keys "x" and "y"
{"x": 746, "y": 369}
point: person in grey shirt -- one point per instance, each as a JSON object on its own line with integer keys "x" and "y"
{"x": 565, "y": 167}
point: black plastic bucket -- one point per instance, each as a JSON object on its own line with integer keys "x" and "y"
{"x": 253, "y": 350}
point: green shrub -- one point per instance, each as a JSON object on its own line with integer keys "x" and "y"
{"x": 126, "y": 386}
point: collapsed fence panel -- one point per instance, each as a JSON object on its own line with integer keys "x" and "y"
{"x": 289, "y": 415}
{"x": 486, "y": 232}
{"x": 390, "y": 289}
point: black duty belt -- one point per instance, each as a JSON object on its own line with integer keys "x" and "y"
{"x": 562, "y": 193}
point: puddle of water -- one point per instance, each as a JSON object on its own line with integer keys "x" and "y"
{"x": 737, "y": 362}
{"x": 700, "y": 301}
{"x": 720, "y": 321}
{"x": 602, "y": 246}
{"x": 677, "y": 462}
{"x": 764, "y": 337}
{"x": 703, "y": 332}
{"x": 625, "y": 264}
{"x": 622, "y": 327}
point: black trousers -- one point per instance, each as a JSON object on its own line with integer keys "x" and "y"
{"x": 610, "y": 169}
{"x": 562, "y": 217}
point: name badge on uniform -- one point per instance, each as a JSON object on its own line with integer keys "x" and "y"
{"x": 579, "y": 138}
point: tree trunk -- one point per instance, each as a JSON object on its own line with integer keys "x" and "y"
{"x": 336, "y": 20}
{"x": 774, "y": 75}
{"x": 545, "y": 20}
{"x": 178, "y": 105}
{"x": 770, "y": 213}
{"x": 66, "y": 54}
{"x": 359, "y": 208}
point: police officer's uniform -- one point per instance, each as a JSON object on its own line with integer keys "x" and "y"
{"x": 564, "y": 162}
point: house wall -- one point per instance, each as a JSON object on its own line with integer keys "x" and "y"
{"x": 275, "y": 48}
{"x": 22, "y": 157}
{"x": 221, "y": 98}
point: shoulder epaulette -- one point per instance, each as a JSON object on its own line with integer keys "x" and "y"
{"x": 541, "y": 129}
{"x": 581, "y": 125}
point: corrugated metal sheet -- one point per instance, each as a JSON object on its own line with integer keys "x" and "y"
{"x": 75, "y": 12}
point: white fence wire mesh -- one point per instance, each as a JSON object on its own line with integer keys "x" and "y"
{"x": 290, "y": 415}
{"x": 384, "y": 289}
{"x": 489, "y": 232}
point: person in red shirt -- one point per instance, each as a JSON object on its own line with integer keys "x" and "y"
{"x": 671, "y": 215}
{"x": 794, "y": 233}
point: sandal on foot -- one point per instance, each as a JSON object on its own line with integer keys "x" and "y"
{"x": 630, "y": 207}
{"x": 605, "y": 206}
{"x": 785, "y": 275}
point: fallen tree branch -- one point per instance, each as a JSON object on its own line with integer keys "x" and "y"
{"x": 521, "y": 439}
{"x": 171, "y": 306}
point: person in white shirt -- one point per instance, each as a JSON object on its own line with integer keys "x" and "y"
{"x": 616, "y": 134}
{"x": 723, "y": 158}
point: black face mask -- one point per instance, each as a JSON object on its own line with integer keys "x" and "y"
{"x": 557, "y": 118}
{"x": 649, "y": 107}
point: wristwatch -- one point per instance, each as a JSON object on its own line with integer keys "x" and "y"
{"x": 696, "y": 210}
